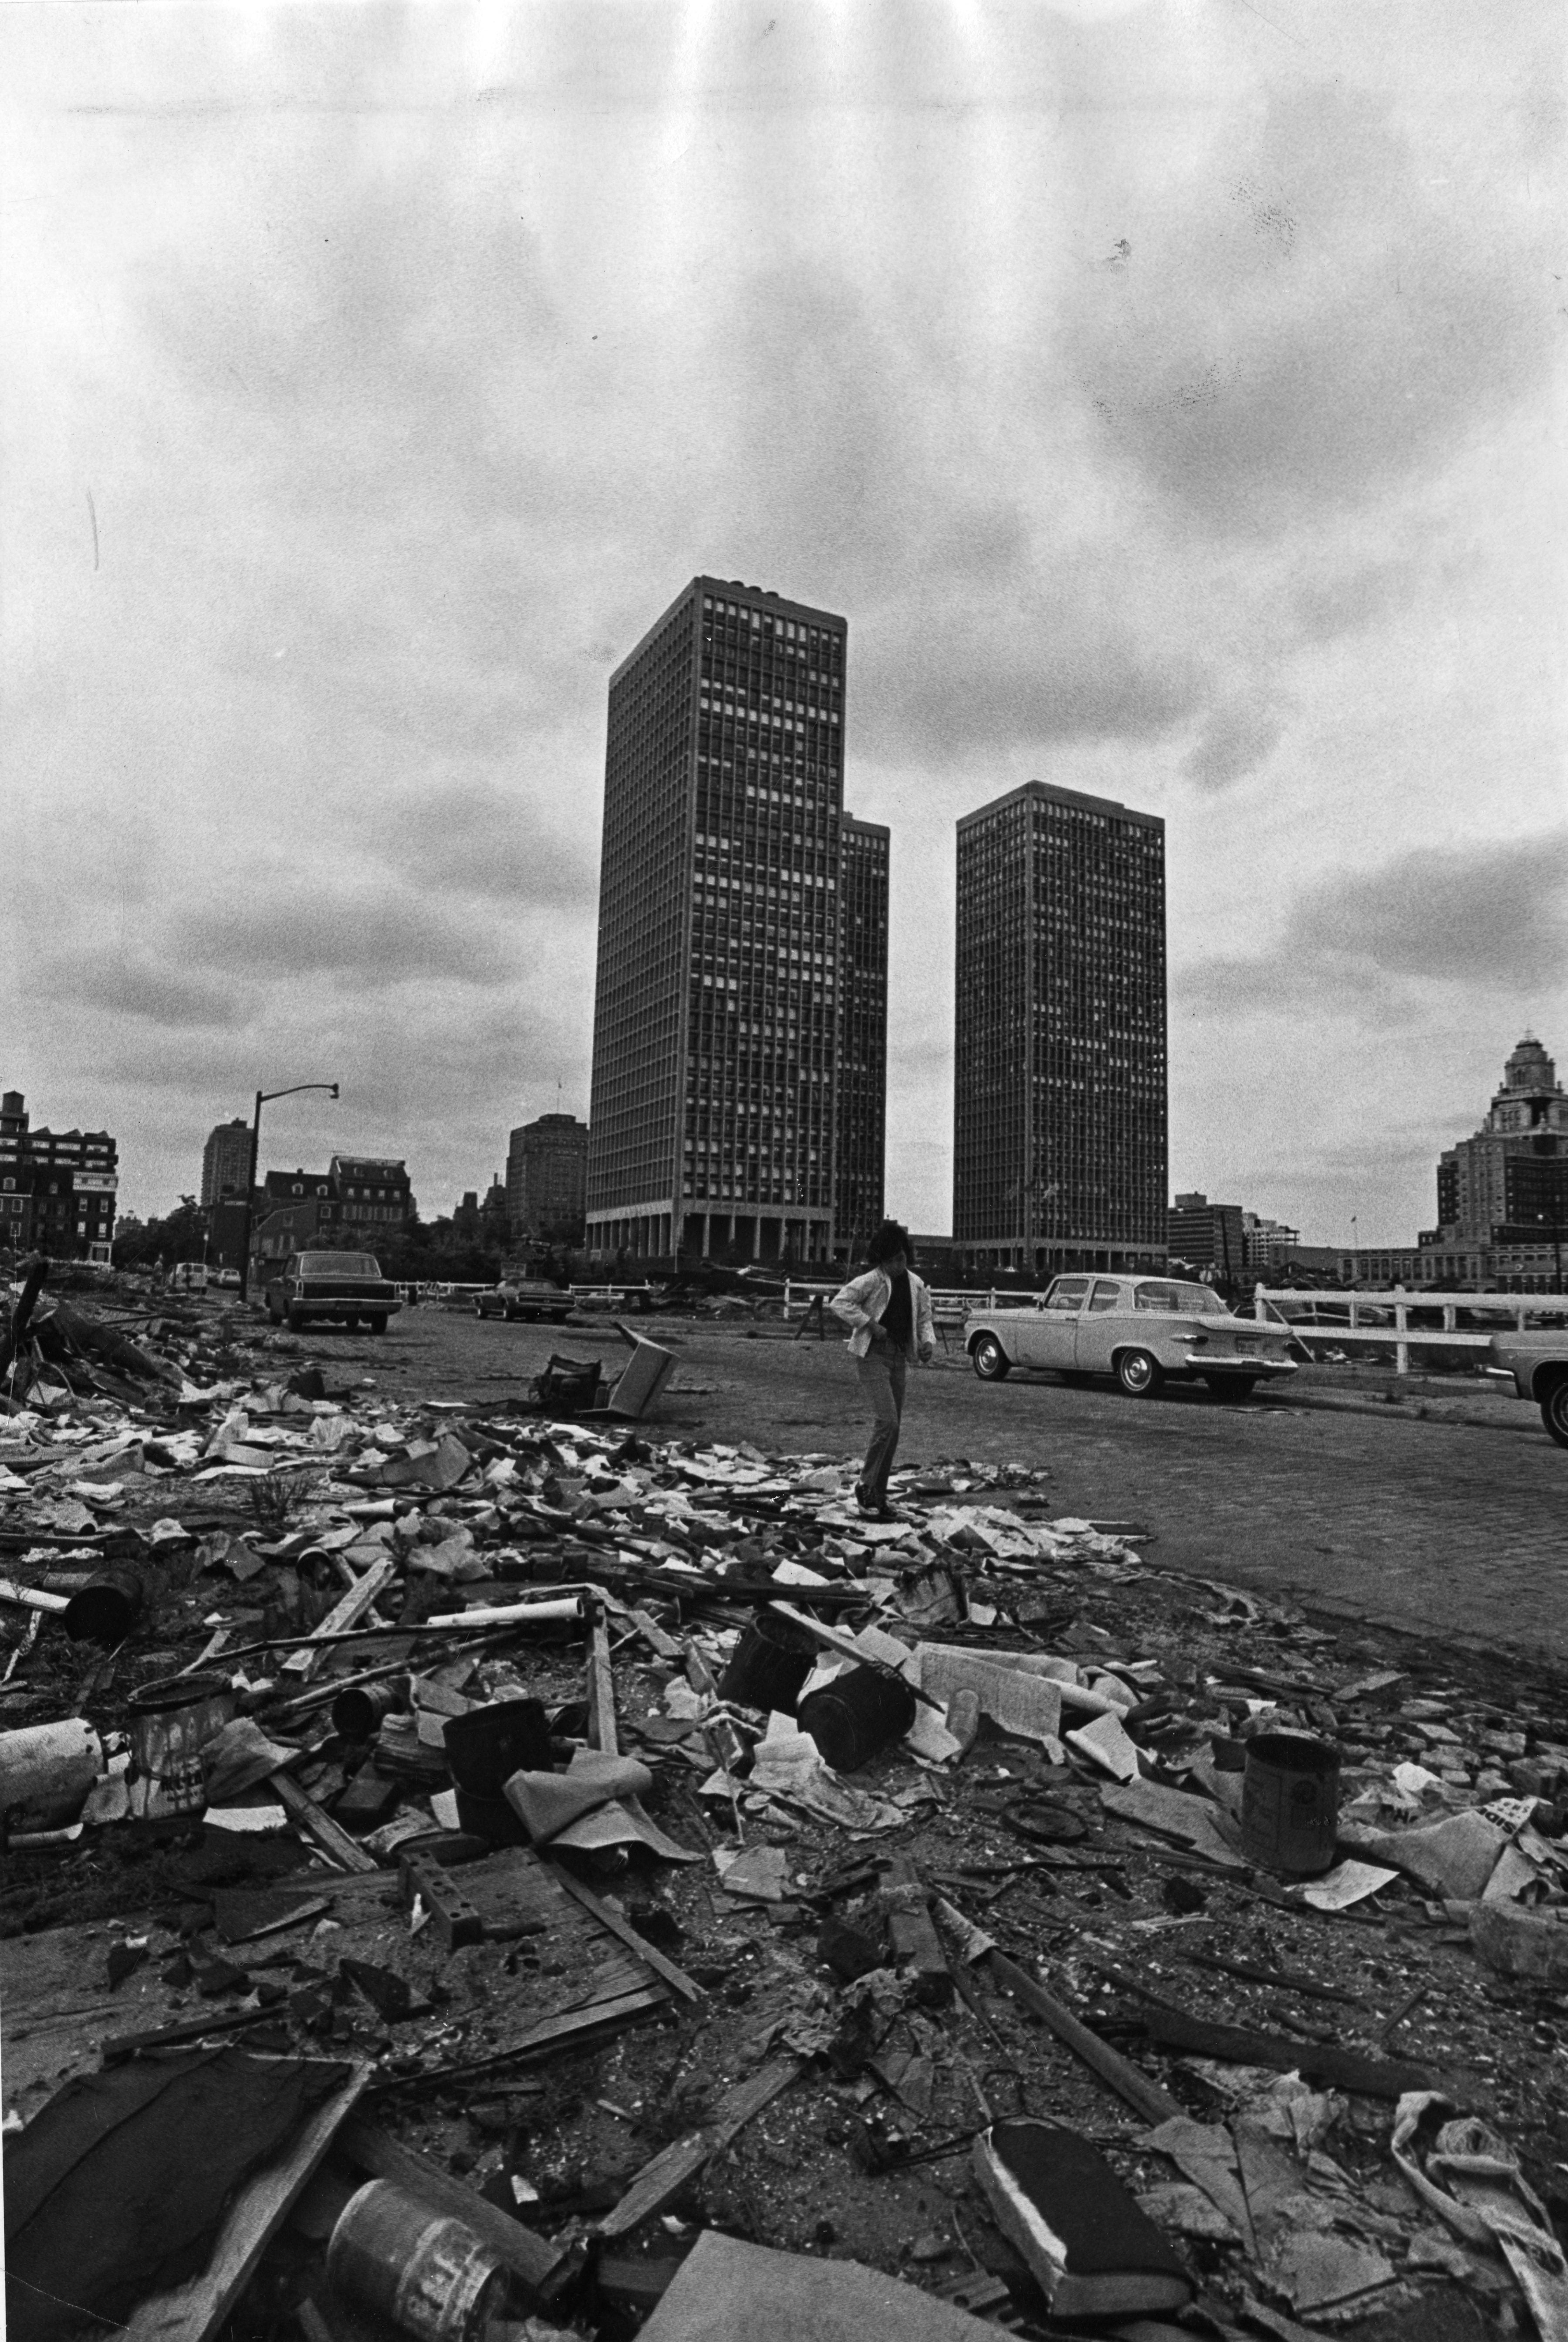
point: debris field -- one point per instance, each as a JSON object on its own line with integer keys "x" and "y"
{"x": 484, "y": 1871}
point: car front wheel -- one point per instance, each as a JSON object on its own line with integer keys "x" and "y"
{"x": 1139, "y": 1375}
{"x": 377, "y": 1322}
{"x": 991, "y": 1362}
{"x": 1554, "y": 1410}
{"x": 296, "y": 1321}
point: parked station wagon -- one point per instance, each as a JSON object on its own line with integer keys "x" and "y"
{"x": 1143, "y": 1330}
{"x": 347, "y": 1286}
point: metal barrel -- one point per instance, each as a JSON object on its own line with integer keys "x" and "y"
{"x": 485, "y": 1745}
{"x": 857, "y": 1715}
{"x": 427, "y": 2272}
{"x": 769, "y": 1664}
{"x": 105, "y": 1609}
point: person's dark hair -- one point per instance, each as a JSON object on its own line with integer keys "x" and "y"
{"x": 890, "y": 1237}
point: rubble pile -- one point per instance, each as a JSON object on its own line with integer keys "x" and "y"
{"x": 618, "y": 1879}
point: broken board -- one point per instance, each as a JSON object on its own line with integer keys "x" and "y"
{"x": 194, "y": 2311}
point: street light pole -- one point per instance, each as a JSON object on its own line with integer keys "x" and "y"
{"x": 263, "y": 1098}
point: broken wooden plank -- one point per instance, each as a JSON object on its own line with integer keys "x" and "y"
{"x": 528, "y": 2256}
{"x": 573, "y": 2028}
{"x": 346, "y": 1614}
{"x": 318, "y": 1824}
{"x": 655, "y": 1636}
{"x": 618, "y": 1925}
{"x": 660, "y": 2182}
{"x": 1156, "y": 2105}
{"x": 115, "y": 2045}
{"x": 602, "y": 1733}
{"x": 194, "y": 2311}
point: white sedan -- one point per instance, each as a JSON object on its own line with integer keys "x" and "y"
{"x": 1143, "y": 1330}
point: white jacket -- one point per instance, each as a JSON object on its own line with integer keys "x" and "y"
{"x": 862, "y": 1301}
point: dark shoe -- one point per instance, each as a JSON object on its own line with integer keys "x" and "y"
{"x": 878, "y": 1512}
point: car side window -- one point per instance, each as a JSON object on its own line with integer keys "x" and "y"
{"x": 1160, "y": 1298}
{"x": 1067, "y": 1293}
{"x": 1105, "y": 1296}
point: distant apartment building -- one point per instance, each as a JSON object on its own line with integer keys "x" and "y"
{"x": 225, "y": 1162}
{"x": 717, "y": 1010}
{"x": 57, "y": 1189}
{"x": 861, "y": 1138}
{"x": 376, "y": 1196}
{"x": 1058, "y": 1092}
{"x": 361, "y": 1201}
{"x": 1207, "y": 1236}
{"x": 546, "y": 1175}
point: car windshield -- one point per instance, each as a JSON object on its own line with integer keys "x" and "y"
{"x": 1180, "y": 1300}
{"x": 336, "y": 1264}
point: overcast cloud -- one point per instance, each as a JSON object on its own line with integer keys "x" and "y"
{"x": 1166, "y": 395}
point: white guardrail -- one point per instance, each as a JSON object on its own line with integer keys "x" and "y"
{"x": 1361, "y": 1318}
{"x": 1396, "y": 1308}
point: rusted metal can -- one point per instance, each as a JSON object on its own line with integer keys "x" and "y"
{"x": 1290, "y": 1803}
{"x": 105, "y": 1608}
{"x": 426, "y": 2271}
{"x": 360, "y": 1710}
{"x": 855, "y": 1716}
{"x": 171, "y": 1723}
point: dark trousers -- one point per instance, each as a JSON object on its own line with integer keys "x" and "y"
{"x": 882, "y": 1378}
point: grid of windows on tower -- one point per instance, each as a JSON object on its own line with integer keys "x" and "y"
{"x": 764, "y": 973}
{"x": 863, "y": 1035}
{"x": 1059, "y": 1123}
{"x": 716, "y": 1024}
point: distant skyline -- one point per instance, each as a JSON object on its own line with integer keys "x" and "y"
{"x": 1170, "y": 396}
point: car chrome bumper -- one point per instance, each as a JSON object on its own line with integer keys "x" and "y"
{"x": 346, "y": 1308}
{"x": 1242, "y": 1366}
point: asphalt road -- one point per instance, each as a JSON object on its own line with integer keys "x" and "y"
{"x": 1436, "y": 1527}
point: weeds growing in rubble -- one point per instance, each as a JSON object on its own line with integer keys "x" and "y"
{"x": 271, "y": 1501}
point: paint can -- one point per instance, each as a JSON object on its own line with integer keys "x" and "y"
{"x": 172, "y": 1721}
{"x": 1290, "y": 1803}
{"x": 857, "y": 1715}
{"x": 426, "y": 2271}
{"x": 769, "y": 1664}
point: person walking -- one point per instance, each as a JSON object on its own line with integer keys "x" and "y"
{"x": 889, "y": 1312}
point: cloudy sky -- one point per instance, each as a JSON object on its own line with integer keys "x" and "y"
{"x": 1169, "y": 395}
